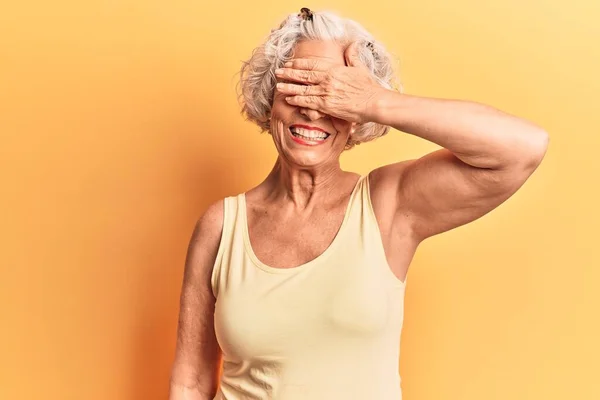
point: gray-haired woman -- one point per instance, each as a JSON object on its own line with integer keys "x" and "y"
{"x": 295, "y": 288}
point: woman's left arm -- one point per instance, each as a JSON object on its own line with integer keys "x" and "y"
{"x": 487, "y": 155}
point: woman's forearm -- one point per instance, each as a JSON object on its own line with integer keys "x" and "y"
{"x": 479, "y": 135}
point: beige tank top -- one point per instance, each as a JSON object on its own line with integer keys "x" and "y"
{"x": 327, "y": 329}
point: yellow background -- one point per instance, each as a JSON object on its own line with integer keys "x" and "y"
{"x": 119, "y": 125}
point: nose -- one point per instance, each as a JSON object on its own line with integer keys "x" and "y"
{"x": 312, "y": 114}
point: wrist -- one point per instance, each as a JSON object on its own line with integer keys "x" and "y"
{"x": 383, "y": 106}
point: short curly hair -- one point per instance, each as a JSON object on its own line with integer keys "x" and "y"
{"x": 257, "y": 74}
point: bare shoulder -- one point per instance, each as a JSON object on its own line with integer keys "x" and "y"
{"x": 210, "y": 223}
{"x": 384, "y": 184}
{"x": 397, "y": 235}
{"x": 205, "y": 240}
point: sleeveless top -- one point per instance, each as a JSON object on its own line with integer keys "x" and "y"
{"x": 327, "y": 329}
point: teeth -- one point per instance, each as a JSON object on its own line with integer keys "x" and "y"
{"x": 309, "y": 133}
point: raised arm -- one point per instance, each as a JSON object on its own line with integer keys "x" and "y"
{"x": 195, "y": 369}
{"x": 487, "y": 155}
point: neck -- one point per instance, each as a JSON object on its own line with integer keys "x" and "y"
{"x": 303, "y": 186}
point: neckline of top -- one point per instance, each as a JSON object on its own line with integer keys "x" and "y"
{"x": 320, "y": 257}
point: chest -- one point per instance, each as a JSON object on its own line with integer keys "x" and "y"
{"x": 346, "y": 300}
{"x": 284, "y": 241}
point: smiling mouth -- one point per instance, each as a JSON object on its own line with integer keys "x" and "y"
{"x": 308, "y": 135}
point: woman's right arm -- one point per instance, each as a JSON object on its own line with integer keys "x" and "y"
{"x": 195, "y": 370}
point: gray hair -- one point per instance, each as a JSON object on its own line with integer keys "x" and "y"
{"x": 258, "y": 80}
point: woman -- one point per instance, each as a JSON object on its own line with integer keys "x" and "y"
{"x": 298, "y": 284}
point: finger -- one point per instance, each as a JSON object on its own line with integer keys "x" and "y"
{"x": 300, "y": 75}
{"x": 312, "y": 64}
{"x": 304, "y": 90}
{"x": 312, "y": 102}
{"x": 351, "y": 55}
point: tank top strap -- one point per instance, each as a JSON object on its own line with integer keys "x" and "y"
{"x": 356, "y": 208}
{"x": 368, "y": 215}
{"x": 230, "y": 216}
{"x": 370, "y": 233}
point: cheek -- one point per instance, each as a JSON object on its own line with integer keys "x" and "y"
{"x": 342, "y": 126}
{"x": 281, "y": 108}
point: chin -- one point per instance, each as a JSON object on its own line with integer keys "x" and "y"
{"x": 306, "y": 159}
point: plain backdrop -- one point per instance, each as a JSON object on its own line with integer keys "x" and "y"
{"x": 119, "y": 124}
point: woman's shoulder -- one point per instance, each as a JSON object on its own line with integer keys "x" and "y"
{"x": 384, "y": 186}
{"x": 210, "y": 223}
{"x": 384, "y": 181}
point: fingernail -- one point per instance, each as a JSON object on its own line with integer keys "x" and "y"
{"x": 278, "y": 71}
{"x": 287, "y": 64}
{"x": 279, "y": 85}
